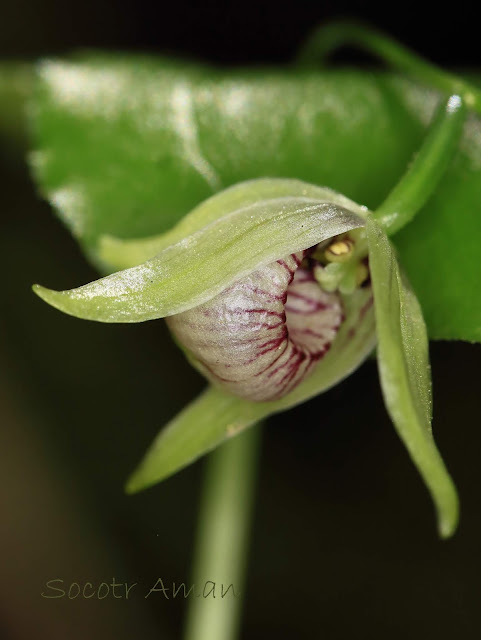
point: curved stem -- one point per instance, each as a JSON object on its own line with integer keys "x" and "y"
{"x": 222, "y": 539}
{"x": 423, "y": 175}
{"x": 331, "y": 37}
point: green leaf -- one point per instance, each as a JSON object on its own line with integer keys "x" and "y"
{"x": 440, "y": 249}
{"x": 216, "y": 415}
{"x": 201, "y": 265}
{"x": 403, "y": 360}
{"x": 126, "y": 146}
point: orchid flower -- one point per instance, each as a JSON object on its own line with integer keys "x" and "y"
{"x": 276, "y": 290}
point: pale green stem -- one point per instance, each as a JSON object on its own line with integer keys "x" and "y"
{"x": 336, "y": 35}
{"x": 423, "y": 175}
{"x": 420, "y": 180}
{"x": 426, "y": 170}
{"x": 222, "y": 539}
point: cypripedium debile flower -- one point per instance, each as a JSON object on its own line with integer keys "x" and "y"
{"x": 276, "y": 290}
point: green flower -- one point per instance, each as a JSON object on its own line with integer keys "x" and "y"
{"x": 268, "y": 288}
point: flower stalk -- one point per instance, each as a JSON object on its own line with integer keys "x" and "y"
{"x": 328, "y": 38}
{"x": 222, "y": 539}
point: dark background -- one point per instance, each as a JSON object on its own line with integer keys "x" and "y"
{"x": 344, "y": 543}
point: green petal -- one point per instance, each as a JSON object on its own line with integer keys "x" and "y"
{"x": 122, "y": 254}
{"x": 216, "y": 415}
{"x": 201, "y": 265}
{"x": 405, "y": 374}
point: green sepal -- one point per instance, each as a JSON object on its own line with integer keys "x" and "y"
{"x": 404, "y": 371}
{"x": 201, "y": 265}
{"x": 117, "y": 253}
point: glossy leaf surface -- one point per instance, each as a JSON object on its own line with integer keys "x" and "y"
{"x": 127, "y": 146}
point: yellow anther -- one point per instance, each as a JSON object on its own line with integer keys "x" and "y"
{"x": 339, "y": 251}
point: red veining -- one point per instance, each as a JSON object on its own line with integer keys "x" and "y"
{"x": 263, "y": 360}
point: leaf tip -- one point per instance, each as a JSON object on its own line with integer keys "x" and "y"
{"x": 132, "y": 485}
{"x": 67, "y": 302}
{"x": 448, "y": 522}
{"x": 138, "y": 480}
{"x": 62, "y": 301}
{"x": 47, "y": 295}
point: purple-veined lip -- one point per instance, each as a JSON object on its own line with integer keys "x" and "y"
{"x": 262, "y": 335}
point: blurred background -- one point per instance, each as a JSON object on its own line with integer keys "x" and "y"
{"x": 344, "y": 543}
